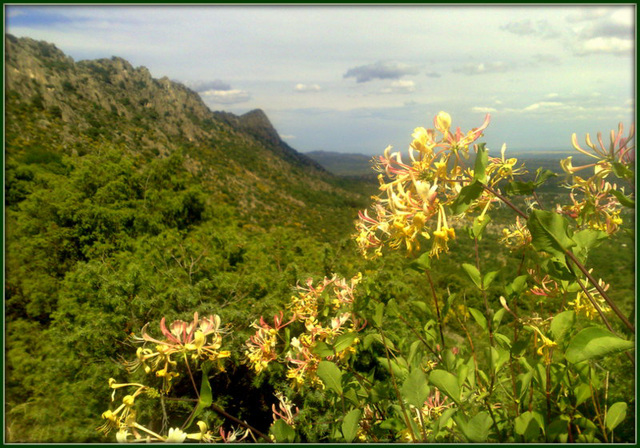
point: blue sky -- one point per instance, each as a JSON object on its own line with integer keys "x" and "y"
{"x": 359, "y": 78}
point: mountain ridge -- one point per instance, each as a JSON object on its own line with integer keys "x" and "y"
{"x": 56, "y": 105}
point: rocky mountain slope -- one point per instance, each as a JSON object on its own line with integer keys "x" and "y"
{"x": 58, "y": 106}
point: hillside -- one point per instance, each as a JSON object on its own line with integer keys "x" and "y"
{"x": 128, "y": 200}
{"x": 58, "y": 106}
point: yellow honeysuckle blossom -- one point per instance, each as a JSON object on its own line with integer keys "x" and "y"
{"x": 516, "y": 236}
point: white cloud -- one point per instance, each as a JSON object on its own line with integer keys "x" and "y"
{"x": 204, "y": 86}
{"x": 483, "y": 110}
{"x": 400, "y": 86}
{"x": 610, "y": 45}
{"x": 543, "y": 105}
{"x": 226, "y": 96}
{"x": 482, "y": 68}
{"x": 587, "y": 14}
{"x": 307, "y": 88}
{"x": 287, "y": 137}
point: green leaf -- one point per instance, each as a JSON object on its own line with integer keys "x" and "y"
{"x": 445, "y": 417}
{"x": 377, "y": 317}
{"x": 499, "y": 357}
{"x": 344, "y": 341}
{"x": 422, "y": 263}
{"x": 480, "y": 166}
{"x": 517, "y": 285}
{"x": 392, "y": 308}
{"x": 350, "y": 424}
{"x": 206, "y": 396}
{"x": 322, "y": 349}
{"x": 375, "y": 337}
{"x": 621, "y": 170}
{"x": 473, "y": 274}
{"x": 528, "y": 424}
{"x": 582, "y": 392}
{"x": 331, "y": 376}
{"x": 477, "y": 429}
{"x": 447, "y": 383}
{"x": 615, "y": 415}
{"x": 594, "y": 342}
{"x": 523, "y": 383}
{"x": 479, "y": 317}
{"x": 626, "y": 201}
{"x": 352, "y": 396}
{"x": 562, "y": 324}
{"x": 415, "y": 389}
{"x": 282, "y": 432}
{"x": 542, "y": 175}
{"x": 488, "y": 278}
{"x": 503, "y": 340}
{"x": 466, "y": 196}
{"x": 589, "y": 238}
{"x": 550, "y": 233}
{"x": 479, "y": 224}
{"x": 497, "y": 318}
{"x": 519, "y": 188}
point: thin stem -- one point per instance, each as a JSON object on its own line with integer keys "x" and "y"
{"x": 484, "y": 293}
{"x": 604, "y": 295}
{"x": 535, "y": 195}
{"x": 548, "y": 387}
{"x": 506, "y": 201}
{"x": 435, "y": 300}
{"x": 395, "y": 387}
{"x": 240, "y": 422}
{"x": 596, "y": 406}
{"x": 193, "y": 382}
{"x": 419, "y": 336}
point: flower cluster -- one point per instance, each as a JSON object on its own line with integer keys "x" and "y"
{"x": 582, "y": 305}
{"x": 595, "y": 202}
{"x": 308, "y": 309}
{"x": 199, "y": 339}
{"x": 412, "y": 206}
{"x": 123, "y": 420}
{"x": 516, "y": 236}
{"x": 261, "y": 347}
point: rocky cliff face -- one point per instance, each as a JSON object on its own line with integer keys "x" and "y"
{"x": 42, "y": 73}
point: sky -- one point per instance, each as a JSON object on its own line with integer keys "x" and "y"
{"x": 358, "y": 78}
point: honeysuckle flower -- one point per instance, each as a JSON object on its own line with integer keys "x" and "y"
{"x": 234, "y": 435}
{"x": 503, "y": 168}
{"x": 124, "y": 414}
{"x": 175, "y": 435}
{"x": 516, "y": 236}
{"x": 593, "y": 206}
{"x": 619, "y": 149}
{"x": 285, "y": 410}
{"x": 582, "y": 305}
{"x": 260, "y": 348}
{"x": 435, "y": 405}
{"x": 121, "y": 435}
